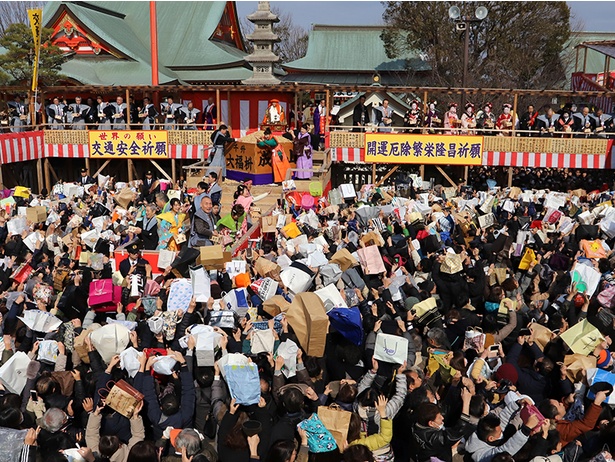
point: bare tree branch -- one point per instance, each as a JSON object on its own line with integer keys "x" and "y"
{"x": 15, "y": 12}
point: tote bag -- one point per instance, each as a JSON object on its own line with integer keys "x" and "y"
{"x": 13, "y": 372}
{"x": 391, "y": 348}
{"x": 371, "y": 260}
{"x": 243, "y": 383}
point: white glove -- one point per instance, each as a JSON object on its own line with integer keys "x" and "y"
{"x": 167, "y": 433}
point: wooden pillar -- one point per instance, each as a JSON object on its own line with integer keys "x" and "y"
{"x": 130, "y": 168}
{"x": 218, "y": 108}
{"x": 173, "y": 174}
{"x": 465, "y": 174}
{"x": 32, "y": 109}
{"x": 128, "y": 109}
{"x": 584, "y": 59}
{"x": 424, "y": 104}
{"x": 422, "y": 172}
{"x": 87, "y": 164}
{"x": 374, "y": 173}
{"x": 510, "y": 176}
{"x": 47, "y": 175}
{"x": 515, "y": 103}
{"x": 606, "y": 71}
{"x": 39, "y": 174}
{"x": 576, "y": 60}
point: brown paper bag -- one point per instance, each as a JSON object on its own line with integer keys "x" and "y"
{"x": 308, "y": 318}
{"x": 275, "y": 305}
{"x": 345, "y": 259}
{"x": 337, "y": 422}
{"x": 80, "y": 346}
{"x": 542, "y": 334}
{"x": 576, "y": 363}
{"x": 268, "y": 224}
{"x": 36, "y": 214}
{"x": 373, "y": 238}
{"x": 498, "y": 276}
{"x": 514, "y": 193}
{"x": 579, "y": 193}
{"x": 266, "y": 268}
{"x": 213, "y": 257}
{"x": 123, "y": 398}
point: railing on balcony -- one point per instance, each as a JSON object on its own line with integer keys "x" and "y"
{"x": 596, "y": 146}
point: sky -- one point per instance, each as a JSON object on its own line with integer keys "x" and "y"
{"x": 595, "y": 16}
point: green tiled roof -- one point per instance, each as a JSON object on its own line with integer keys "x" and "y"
{"x": 184, "y": 31}
{"x": 352, "y": 48}
{"x": 595, "y": 60}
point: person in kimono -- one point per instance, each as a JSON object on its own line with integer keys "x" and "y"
{"x": 147, "y": 115}
{"x": 279, "y": 161}
{"x": 103, "y": 112}
{"x": 302, "y": 150}
{"x": 506, "y": 121}
{"x": 602, "y": 122}
{"x": 546, "y": 122}
{"x": 585, "y": 123}
{"x": 211, "y": 115}
{"x": 384, "y": 116}
{"x": 170, "y": 114}
{"x": 468, "y": 120}
{"x": 320, "y": 119}
{"x": 55, "y": 115}
{"x": 118, "y": 114}
{"x": 413, "y": 117}
{"x": 78, "y": 112}
{"x": 190, "y": 116}
{"x": 432, "y": 118}
{"x": 528, "y": 120}
{"x": 565, "y": 124}
{"x": 450, "y": 118}
{"x": 18, "y": 112}
{"x": 219, "y": 139}
{"x": 485, "y": 119}
{"x": 171, "y": 226}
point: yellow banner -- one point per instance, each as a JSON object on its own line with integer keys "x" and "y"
{"x": 36, "y": 24}
{"x": 118, "y": 144}
{"x": 409, "y": 148}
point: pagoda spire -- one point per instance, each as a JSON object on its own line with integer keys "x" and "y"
{"x": 262, "y": 59}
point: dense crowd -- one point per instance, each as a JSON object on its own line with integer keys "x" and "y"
{"x": 418, "y": 323}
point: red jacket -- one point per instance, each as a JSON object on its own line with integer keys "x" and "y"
{"x": 569, "y": 431}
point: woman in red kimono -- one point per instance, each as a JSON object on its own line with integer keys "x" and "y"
{"x": 506, "y": 121}
{"x": 279, "y": 161}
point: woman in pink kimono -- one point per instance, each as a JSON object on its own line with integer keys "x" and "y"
{"x": 302, "y": 150}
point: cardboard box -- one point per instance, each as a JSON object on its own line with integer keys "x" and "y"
{"x": 36, "y": 214}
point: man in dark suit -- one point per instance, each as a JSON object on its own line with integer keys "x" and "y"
{"x": 150, "y": 187}
{"x": 85, "y": 178}
{"x": 148, "y": 228}
{"x": 134, "y": 264}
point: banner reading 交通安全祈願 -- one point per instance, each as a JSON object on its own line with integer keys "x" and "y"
{"x": 152, "y": 144}
{"x": 409, "y": 148}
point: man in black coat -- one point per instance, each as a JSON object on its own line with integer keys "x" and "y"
{"x": 148, "y": 228}
{"x": 150, "y": 187}
{"x": 360, "y": 115}
{"x": 134, "y": 262}
{"x": 85, "y": 178}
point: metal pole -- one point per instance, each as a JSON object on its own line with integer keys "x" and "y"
{"x": 466, "y": 58}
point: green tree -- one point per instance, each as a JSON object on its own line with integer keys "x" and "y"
{"x": 17, "y": 62}
{"x": 518, "y": 45}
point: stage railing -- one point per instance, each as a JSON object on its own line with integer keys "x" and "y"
{"x": 349, "y": 139}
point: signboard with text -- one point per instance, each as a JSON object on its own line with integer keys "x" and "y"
{"x": 410, "y": 148}
{"x": 127, "y": 144}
